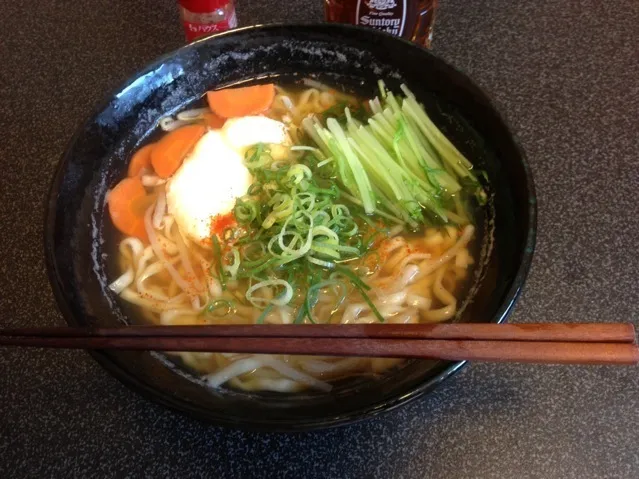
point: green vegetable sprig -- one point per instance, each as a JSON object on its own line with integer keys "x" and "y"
{"x": 397, "y": 162}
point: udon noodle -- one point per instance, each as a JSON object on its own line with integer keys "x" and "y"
{"x": 414, "y": 276}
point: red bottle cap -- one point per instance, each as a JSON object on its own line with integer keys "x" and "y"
{"x": 203, "y": 6}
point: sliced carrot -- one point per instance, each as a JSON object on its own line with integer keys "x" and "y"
{"x": 234, "y": 102}
{"x": 141, "y": 160}
{"x": 214, "y": 121}
{"x": 169, "y": 152}
{"x": 127, "y": 203}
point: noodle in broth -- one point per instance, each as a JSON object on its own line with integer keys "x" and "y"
{"x": 415, "y": 275}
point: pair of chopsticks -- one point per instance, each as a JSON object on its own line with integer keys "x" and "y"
{"x": 529, "y": 343}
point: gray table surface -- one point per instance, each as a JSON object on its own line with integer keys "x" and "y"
{"x": 566, "y": 75}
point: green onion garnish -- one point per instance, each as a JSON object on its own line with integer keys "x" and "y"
{"x": 217, "y": 252}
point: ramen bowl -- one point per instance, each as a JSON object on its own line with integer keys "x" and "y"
{"x": 79, "y": 259}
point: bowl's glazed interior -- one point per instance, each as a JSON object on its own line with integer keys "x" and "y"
{"x": 79, "y": 258}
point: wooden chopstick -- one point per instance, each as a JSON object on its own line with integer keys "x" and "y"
{"x": 546, "y": 343}
{"x": 578, "y": 332}
{"x": 476, "y": 350}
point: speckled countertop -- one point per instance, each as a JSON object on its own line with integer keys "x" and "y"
{"x": 566, "y": 74}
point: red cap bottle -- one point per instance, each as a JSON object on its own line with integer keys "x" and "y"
{"x": 410, "y": 19}
{"x": 205, "y": 17}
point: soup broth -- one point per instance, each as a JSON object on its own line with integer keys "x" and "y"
{"x": 279, "y": 216}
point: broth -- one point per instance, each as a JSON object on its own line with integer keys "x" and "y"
{"x": 331, "y": 261}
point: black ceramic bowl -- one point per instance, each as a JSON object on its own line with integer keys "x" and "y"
{"x": 77, "y": 256}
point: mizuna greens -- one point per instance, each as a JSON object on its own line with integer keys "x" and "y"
{"x": 397, "y": 161}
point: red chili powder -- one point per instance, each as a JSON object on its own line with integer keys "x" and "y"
{"x": 220, "y": 222}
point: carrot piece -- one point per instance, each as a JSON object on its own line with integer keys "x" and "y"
{"x": 214, "y": 121}
{"x": 169, "y": 152}
{"x": 234, "y": 102}
{"x": 141, "y": 160}
{"x": 127, "y": 203}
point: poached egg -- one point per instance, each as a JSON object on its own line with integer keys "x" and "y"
{"x": 213, "y": 176}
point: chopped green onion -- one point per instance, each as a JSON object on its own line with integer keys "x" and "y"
{"x": 265, "y": 313}
{"x": 217, "y": 252}
{"x": 279, "y": 300}
{"x": 361, "y": 286}
{"x": 219, "y": 304}
{"x": 232, "y": 268}
{"x": 245, "y": 210}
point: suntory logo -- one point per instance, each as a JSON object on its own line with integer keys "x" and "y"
{"x": 386, "y": 15}
{"x": 381, "y": 4}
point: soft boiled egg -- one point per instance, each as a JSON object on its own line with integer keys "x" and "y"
{"x": 213, "y": 175}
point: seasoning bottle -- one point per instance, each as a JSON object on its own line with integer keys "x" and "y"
{"x": 410, "y": 19}
{"x": 205, "y": 17}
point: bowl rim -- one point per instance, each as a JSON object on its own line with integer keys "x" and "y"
{"x": 158, "y": 396}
